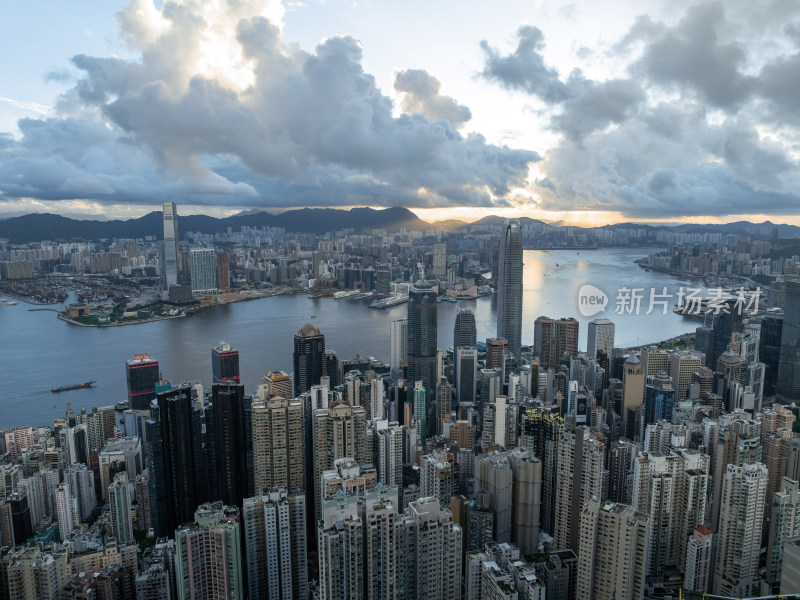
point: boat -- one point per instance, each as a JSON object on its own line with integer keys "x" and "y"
{"x": 3, "y": 300}
{"x": 77, "y": 386}
{"x": 347, "y": 294}
{"x": 12, "y": 303}
{"x": 393, "y": 300}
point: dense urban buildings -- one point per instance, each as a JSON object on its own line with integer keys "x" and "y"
{"x": 486, "y": 470}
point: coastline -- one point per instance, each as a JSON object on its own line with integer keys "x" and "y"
{"x": 241, "y": 296}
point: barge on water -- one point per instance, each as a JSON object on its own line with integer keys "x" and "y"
{"x": 77, "y": 386}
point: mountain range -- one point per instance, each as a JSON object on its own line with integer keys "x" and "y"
{"x": 44, "y": 226}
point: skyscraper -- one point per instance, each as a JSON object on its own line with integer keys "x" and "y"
{"x": 66, "y": 511}
{"x": 659, "y": 398}
{"x": 420, "y": 411}
{"x": 784, "y": 523}
{"x": 276, "y": 383}
{"x": 544, "y": 341}
{"x": 398, "y": 336}
{"x": 580, "y": 476}
{"x": 330, "y": 368}
{"x": 309, "y": 348}
{"x": 440, "y": 260}
{"x": 740, "y": 523}
{"x": 339, "y": 432}
{"x": 727, "y": 324}
{"x": 466, "y": 373}
{"x": 278, "y": 445}
{"x": 788, "y": 382}
{"x": 223, "y": 270}
{"x": 612, "y": 561}
{"x": 225, "y": 364}
{"x": 275, "y": 539}
{"x": 465, "y": 332}
{"x": 432, "y": 551}
{"x": 698, "y": 560}
{"x": 171, "y": 240}
{"x": 509, "y": 288}
{"x": 120, "y": 503}
{"x": 566, "y": 331}
{"x": 513, "y": 480}
{"x": 229, "y": 439}
{"x": 203, "y": 265}
{"x": 422, "y": 342}
{"x": 600, "y": 337}
{"x": 769, "y": 348}
{"x": 444, "y": 399}
{"x": 600, "y": 343}
{"x": 142, "y": 374}
{"x": 208, "y": 557}
{"x": 181, "y": 487}
{"x": 496, "y": 349}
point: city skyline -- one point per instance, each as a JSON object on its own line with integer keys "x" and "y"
{"x": 400, "y": 301}
{"x": 535, "y": 111}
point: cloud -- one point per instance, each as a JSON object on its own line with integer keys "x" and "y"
{"x": 525, "y": 68}
{"x": 690, "y": 56}
{"x": 585, "y": 105}
{"x": 219, "y": 110}
{"x": 670, "y": 161}
{"x": 422, "y": 96}
{"x": 595, "y": 105}
{"x": 704, "y": 124}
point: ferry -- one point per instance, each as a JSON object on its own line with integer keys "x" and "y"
{"x": 77, "y": 386}
{"x": 392, "y": 300}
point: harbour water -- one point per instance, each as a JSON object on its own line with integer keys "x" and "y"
{"x": 40, "y": 352}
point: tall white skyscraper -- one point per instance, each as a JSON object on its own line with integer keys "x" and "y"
{"x": 740, "y": 523}
{"x": 398, "y": 335}
{"x": 509, "y": 288}
{"x": 203, "y": 266}
{"x": 81, "y": 486}
{"x": 66, "y": 511}
{"x": 171, "y": 241}
{"x": 389, "y": 445}
{"x": 376, "y": 399}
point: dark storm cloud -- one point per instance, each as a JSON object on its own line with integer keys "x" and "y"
{"x": 311, "y": 128}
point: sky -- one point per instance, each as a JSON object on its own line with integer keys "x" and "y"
{"x": 579, "y": 112}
